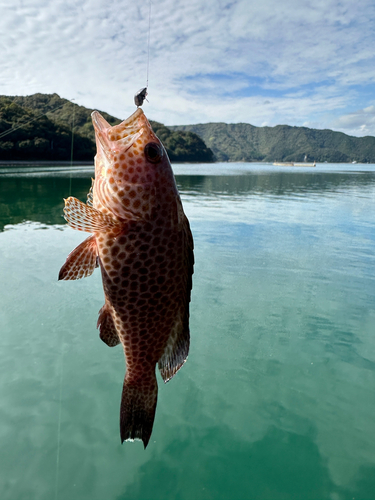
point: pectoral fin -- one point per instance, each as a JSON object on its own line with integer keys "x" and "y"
{"x": 86, "y": 218}
{"x": 81, "y": 262}
{"x": 107, "y": 329}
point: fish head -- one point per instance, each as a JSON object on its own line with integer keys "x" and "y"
{"x": 132, "y": 169}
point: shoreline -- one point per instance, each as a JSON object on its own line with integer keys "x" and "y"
{"x": 44, "y": 163}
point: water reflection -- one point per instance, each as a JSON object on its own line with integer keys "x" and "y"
{"x": 37, "y": 195}
{"x": 276, "y": 399}
{"x": 280, "y": 465}
{"x": 277, "y": 184}
{"x": 38, "y": 198}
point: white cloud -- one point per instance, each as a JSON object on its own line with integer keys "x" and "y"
{"x": 359, "y": 123}
{"x": 308, "y": 59}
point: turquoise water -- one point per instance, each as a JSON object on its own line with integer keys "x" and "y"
{"x": 277, "y": 398}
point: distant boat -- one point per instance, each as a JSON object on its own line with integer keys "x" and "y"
{"x": 292, "y": 164}
{"x": 305, "y": 164}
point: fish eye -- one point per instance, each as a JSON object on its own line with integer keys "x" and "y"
{"x": 153, "y": 152}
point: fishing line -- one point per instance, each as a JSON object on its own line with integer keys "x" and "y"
{"x": 71, "y": 154}
{"x": 62, "y": 345}
{"x": 148, "y": 42}
{"x": 59, "y": 425}
{"x": 12, "y": 129}
{"x": 140, "y": 96}
{"x": 71, "y": 147}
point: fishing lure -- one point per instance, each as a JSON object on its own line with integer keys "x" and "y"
{"x": 140, "y": 96}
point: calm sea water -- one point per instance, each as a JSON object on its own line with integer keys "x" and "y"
{"x": 277, "y": 399}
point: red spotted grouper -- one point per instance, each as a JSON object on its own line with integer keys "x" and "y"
{"x": 142, "y": 242}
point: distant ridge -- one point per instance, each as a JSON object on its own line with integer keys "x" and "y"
{"x": 48, "y": 137}
{"x": 282, "y": 143}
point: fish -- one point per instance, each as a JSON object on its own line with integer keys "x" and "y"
{"x": 142, "y": 242}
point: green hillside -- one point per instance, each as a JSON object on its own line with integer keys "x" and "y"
{"x": 244, "y": 142}
{"x": 23, "y": 137}
{"x": 49, "y": 136}
{"x": 42, "y": 130}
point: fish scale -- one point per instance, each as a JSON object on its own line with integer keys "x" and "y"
{"x": 142, "y": 242}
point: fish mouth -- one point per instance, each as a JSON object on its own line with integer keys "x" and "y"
{"x": 111, "y": 163}
{"x": 121, "y": 136}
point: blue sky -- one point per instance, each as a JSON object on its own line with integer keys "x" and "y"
{"x": 273, "y": 62}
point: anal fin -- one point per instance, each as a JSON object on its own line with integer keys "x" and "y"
{"x": 81, "y": 262}
{"x": 107, "y": 328}
{"x": 176, "y": 351}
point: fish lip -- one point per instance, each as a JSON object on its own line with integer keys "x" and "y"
{"x": 101, "y": 124}
{"x": 121, "y": 136}
{"x": 131, "y": 119}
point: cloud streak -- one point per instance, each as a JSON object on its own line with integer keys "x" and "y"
{"x": 269, "y": 62}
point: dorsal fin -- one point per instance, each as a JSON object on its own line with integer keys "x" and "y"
{"x": 176, "y": 351}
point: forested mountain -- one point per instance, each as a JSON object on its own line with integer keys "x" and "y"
{"x": 244, "y": 142}
{"x": 28, "y": 134}
{"x": 39, "y": 127}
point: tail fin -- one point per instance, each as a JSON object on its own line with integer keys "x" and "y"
{"x": 138, "y": 405}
